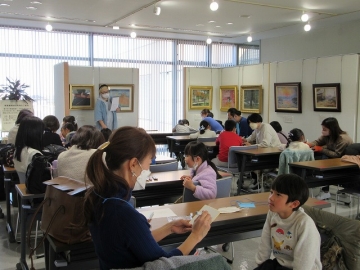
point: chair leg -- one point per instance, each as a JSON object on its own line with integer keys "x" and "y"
{"x": 336, "y": 200}
{"x": 17, "y": 227}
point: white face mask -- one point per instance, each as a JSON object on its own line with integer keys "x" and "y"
{"x": 253, "y": 126}
{"x": 105, "y": 96}
{"x": 141, "y": 179}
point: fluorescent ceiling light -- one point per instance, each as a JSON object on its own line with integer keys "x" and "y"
{"x": 214, "y": 6}
{"x": 133, "y": 34}
{"x": 304, "y": 17}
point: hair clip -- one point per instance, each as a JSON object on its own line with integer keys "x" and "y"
{"x": 290, "y": 134}
{"x": 202, "y": 127}
{"x": 103, "y": 146}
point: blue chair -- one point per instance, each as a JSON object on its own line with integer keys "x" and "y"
{"x": 164, "y": 167}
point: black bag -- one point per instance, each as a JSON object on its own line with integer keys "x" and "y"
{"x": 38, "y": 171}
{"x": 53, "y": 150}
{"x": 7, "y": 155}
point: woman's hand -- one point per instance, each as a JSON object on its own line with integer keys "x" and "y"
{"x": 181, "y": 226}
{"x": 188, "y": 183}
{"x": 246, "y": 143}
{"x": 202, "y": 225}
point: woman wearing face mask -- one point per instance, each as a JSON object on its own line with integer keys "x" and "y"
{"x": 203, "y": 171}
{"x": 122, "y": 235}
{"x": 331, "y": 144}
{"x": 264, "y": 135}
{"x": 105, "y": 118}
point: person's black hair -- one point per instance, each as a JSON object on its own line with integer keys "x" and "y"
{"x": 180, "y": 122}
{"x": 333, "y": 125}
{"x": 103, "y": 85}
{"x": 68, "y": 126}
{"x": 70, "y": 119}
{"x": 254, "y": 118}
{"x": 210, "y": 114}
{"x": 198, "y": 149}
{"x": 293, "y": 186}
{"x": 203, "y": 126}
{"x": 186, "y": 122}
{"x": 205, "y": 111}
{"x": 30, "y": 134}
{"x": 294, "y": 135}
{"x": 234, "y": 111}
{"x": 276, "y": 125}
{"x": 22, "y": 114}
{"x": 87, "y": 137}
{"x": 51, "y": 122}
{"x": 106, "y": 132}
{"x": 230, "y": 125}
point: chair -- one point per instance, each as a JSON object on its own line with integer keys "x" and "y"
{"x": 289, "y": 156}
{"x": 232, "y": 160}
{"x": 223, "y": 186}
{"x": 351, "y": 192}
{"x": 164, "y": 167}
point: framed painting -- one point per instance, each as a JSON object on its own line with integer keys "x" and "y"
{"x": 123, "y": 96}
{"x": 200, "y": 97}
{"x": 228, "y": 97}
{"x": 251, "y": 98}
{"x": 81, "y": 97}
{"x": 327, "y": 97}
{"x": 288, "y": 97}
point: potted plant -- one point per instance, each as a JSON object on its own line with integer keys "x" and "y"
{"x": 14, "y": 91}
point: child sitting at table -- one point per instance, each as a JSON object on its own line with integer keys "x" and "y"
{"x": 288, "y": 230}
{"x": 203, "y": 171}
{"x": 226, "y": 139}
{"x": 296, "y": 141}
{"x": 204, "y": 131}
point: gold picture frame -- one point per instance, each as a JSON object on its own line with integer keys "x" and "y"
{"x": 251, "y": 97}
{"x": 125, "y": 94}
{"x": 81, "y": 97}
{"x": 200, "y": 97}
{"x": 229, "y": 97}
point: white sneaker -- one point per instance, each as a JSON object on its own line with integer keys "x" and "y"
{"x": 323, "y": 195}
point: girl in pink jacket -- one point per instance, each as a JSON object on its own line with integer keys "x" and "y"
{"x": 203, "y": 171}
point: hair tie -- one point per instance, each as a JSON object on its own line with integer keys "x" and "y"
{"x": 103, "y": 146}
{"x": 202, "y": 127}
{"x": 290, "y": 134}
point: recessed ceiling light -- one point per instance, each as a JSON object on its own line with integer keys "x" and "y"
{"x": 229, "y": 23}
{"x": 133, "y": 35}
{"x": 200, "y": 24}
{"x": 5, "y": 5}
{"x": 36, "y": 2}
{"x": 211, "y": 21}
{"x": 32, "y": 8}
{"x": 218, "y": 26}
{"x": 245, "y": 16}
{"x": 90, "y": 21}
{"x": 116, "y": 27}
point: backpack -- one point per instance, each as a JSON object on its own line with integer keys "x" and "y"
{"x": 53, "y": 150}
{"x": 38, "y": 171}
{"x": 7, "y": 155}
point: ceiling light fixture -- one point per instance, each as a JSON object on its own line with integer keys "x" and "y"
{"x": 5, "y": 5}
{"x": 304, "y": 17}
{"x": 116, "y": 27}
{"x": 214, "y": 5}
{"x": 208, "y": 41}
{"x": 307, "y": 27}
{"x": 249, "y": 38}
{"x": 48, "y": 27}
{"x": 157, "y": 10}
{"x": 133, "y": 34}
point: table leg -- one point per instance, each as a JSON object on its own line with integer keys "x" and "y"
{"x": 9, "y": 227}
{"x": 23, "y": 217}
{"x": 242, "y": 172}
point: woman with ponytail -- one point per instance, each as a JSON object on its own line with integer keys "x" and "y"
{"x": 121, "y": 235}
{"x": 204, "y": 131}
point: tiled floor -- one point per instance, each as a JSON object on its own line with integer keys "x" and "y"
{"x": 244, "y": 250}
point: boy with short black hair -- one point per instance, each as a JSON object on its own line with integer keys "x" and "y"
{"x": 288, "y": 230}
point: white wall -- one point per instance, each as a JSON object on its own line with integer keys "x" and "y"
{"x": 335, "y": 40}
{"x": 96, "y": 76}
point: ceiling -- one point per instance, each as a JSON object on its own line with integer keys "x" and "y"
{"x": 183, "y": 19}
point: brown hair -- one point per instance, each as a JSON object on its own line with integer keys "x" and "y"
{"x": 87, "y": 137}
{"x": 125, "y": 143}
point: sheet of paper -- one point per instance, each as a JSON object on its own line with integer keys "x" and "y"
{"x": 166, "y": 212}
{"x": 114, "y": 104}
{"x": 212, "y": 212}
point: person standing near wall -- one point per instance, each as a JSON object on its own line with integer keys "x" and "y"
{"x": 104, "y": 117}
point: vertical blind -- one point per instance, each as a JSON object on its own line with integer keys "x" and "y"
{"x": 30, "y": 55}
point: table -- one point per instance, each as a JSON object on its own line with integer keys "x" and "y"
{"x": 245, "y": 224}
{"x": 159, "y": 137}
{"x": 177, "y": 144}
{"x": 166, "y": 189}
{"x": 25, "y": 207}
{"x": 8, "y": 179}
{"x": 325, "y": 172}
{"x": 256, "y": 159}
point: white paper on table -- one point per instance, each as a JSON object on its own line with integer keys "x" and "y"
{"x": 166, "y": 212}
{"x": 114, "y": 104}
{"x": 212, "y": 212}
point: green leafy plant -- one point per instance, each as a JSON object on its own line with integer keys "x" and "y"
{"x": 14, "y": 91}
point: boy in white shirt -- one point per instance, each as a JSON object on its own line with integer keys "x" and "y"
{"x": 289, "y": 233}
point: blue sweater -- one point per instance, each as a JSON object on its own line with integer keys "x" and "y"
{"x": 215, "y": 126}
{"x": 123, "y": 239}
{"x": 245, "y": 130}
